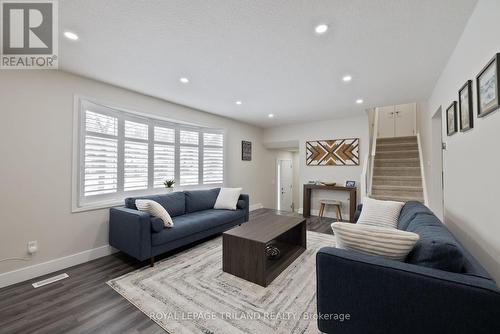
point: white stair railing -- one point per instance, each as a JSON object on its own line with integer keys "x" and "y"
{"x": 369, "y": 162}
{"x": 364, "y": 184}
{"x": 422, "y": 170}
{"x": 373, "y": 151}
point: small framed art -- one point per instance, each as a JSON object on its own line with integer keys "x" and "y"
{"x": 246, "y": 150}
{"x": 465, "y": 107}
{"x": 451, "y": 119}
{"x": 487, "y": 82}
{"x": 350, "y": 184}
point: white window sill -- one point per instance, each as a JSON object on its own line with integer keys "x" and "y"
{"x": 97, "y": 206}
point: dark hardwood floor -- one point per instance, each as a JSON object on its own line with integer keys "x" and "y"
{"x": 84, "y": 303}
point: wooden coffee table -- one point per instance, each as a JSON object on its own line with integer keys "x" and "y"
{"x": 243, "y": 247}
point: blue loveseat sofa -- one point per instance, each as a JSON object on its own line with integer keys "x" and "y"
{"x": 440, "y": 288}
{"x": 143, "y": 237}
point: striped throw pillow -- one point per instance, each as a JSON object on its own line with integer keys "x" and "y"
{"x": 387, "y": 242}
{"x": 380, "y": 213}
{"x": 154, "y": 209}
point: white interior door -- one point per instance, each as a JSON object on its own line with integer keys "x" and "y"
{"x": 285, "y": 186}
{"x": 386, "y": 122}
{"x": 405, "y": 116}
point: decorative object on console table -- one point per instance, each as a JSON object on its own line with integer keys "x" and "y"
{"x": 328, "y": 183}
{"x": 306, "y": 204}
{"x": 335, "y": 152}
{"x": 465, "y": 107}
{"x": 451, "y": 119}
{"x": 487, "y": 82}
{"x": 246, "y": 150}
{"x": 169, "y": 185}
{"x": 350, "y": 184}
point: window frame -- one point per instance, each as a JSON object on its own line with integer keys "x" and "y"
{"x": 95, "y": 202}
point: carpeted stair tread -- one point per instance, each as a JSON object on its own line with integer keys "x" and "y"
{"x": 411, "y": 139}
{"x": 397, "y": 147}
{"x": 398, "y": 198}
{"x": 404, "y": 162}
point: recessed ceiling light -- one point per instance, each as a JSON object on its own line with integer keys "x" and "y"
{"x": 239, "y": 102}
{"x": 184, "y": 80}
{"x": 71, "y": 35}
{"x": 321, "y": 29}
{"x": 270, "y": 115}
{"x": 359, "y": 101}
{"x": 346, "y": 78}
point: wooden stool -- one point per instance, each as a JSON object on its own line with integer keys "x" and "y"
{"x": 337, "y": 204}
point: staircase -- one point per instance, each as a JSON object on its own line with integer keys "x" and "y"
{"x": 396, "y": 173}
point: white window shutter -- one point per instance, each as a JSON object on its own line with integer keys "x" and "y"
{"x": 100, "y": 166}
{"x": 188, "y": 165}
{"x": 135, "y": 166}
{"x": 213, "y": 158}
{"x": 164, "y": 135}
{"x": 189, "y": 137}
{"x": 136, "y": 130}
{"x": 102, "y": 124}
{"x": 164, "y": 164}
{"x": 135, "y": 156}
{"x": 164, "y": 155}
{"x": 100, "y": 155}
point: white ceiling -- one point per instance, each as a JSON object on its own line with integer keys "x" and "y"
{"x": 265, "y": 52}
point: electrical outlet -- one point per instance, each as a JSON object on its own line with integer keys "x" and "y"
{"x": 32, "y": 246}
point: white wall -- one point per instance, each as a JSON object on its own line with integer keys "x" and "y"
{"x": 472, "y": 159}
{"x": 36, "y": 151}
{"x": 355, "y": 127}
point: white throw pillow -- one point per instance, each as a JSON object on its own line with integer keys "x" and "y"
{"x": 380, "y": 213}
{"x": 228, "y": 198}
{"x": 388, "y": 242}
{"x": 154, "y": 209}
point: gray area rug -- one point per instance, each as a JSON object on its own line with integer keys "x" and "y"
{"x": 189, "y": 293}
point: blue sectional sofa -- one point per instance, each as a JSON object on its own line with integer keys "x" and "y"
{"x": 440, "y": 288}
{"x": 143, "y": 237}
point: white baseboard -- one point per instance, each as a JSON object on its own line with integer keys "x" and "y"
{"x": 256, "y": 206}
{"x": 26, "y": 273}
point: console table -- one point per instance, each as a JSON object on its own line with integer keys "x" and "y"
{"x": 307, "y": 198}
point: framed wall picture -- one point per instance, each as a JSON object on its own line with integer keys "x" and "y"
{"x": 246, "y": 150}
{"x": 333, "y": 152}
{"x": 487, "y": 82}
{"x": 465, "y": 107}
{"x": 350, "y": 184}
{"x": 451, "y": 119}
